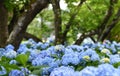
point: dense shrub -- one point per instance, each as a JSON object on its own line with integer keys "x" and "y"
{"x": 43, "y": 59}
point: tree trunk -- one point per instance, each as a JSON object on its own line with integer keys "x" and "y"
{"x": 57, "y": 21}
{"x": 110, "y": 26}
{"x": 3, "y": 25}
{"x": 106, "y": 19}
{"x": 24, "y": 20}
{"x": 13, "y": 20}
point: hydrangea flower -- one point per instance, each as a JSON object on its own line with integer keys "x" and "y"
{"x": 42, "y": 61}
{"x": 88, "y": 71}
{"x": 30, "y": 43}
{"x": 16, "y": 73}
{"x": 67, "y": 51}
{"x": 76, "y": 48}
{"x": 86, "y": 58}
{"x": 113, "y": 48}
{"x": 13, "y": 62}
{"x": 63, "y": 71}
{"x": 59, "y": 48}
{"x": 70, "y": 58}
{"x": 91, "y": 53}
{"x": 107, "y": 70}
{"x": 106, "y": 51}
{"x": 22, "y": 49}
{"x": 114, "y": 58}
{"x": 41, "y": 45}
{"x": 47, "y": 70}
{"x": 10, "y": 54}
{"x": 45, "y": 45}
{"x": 33, "y": 54}
{"x": 25, "y": 71}
{"x": 105, "y": 60}
{"x": 2, "y": 51}
{"x": 2, "y": 71}
{"x": 9, "y": 46}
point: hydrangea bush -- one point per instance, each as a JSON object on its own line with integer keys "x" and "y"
{"x": 44, "y": 59}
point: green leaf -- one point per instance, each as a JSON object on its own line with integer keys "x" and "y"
{"x": 116, "y": 64}
{"x": 37, "y": 69}
{"x": 22, "y": 59}
{"x": 37, "y": 72}
{"x": 4, "y": 59}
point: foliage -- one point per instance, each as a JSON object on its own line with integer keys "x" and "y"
{"x": 89, "y": 17}
{"x": 42, "y": 24}
{"x": 11, "y": 4}
{"x": 22, "y": 59}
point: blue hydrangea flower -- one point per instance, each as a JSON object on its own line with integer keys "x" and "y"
{"x": 106, "y": 51}
{"x": 47, "y": 70}
{"x": 113, "y": 48}
{"x": 107, "y": 70}
{"x": 22, "y": 49}
{"x": 53, "y": 65}
{"x": 51, "y": 50}
{"x": 91, "y": 53}
{"x": 70, "y": 58}
{"x": 68, "y": 51}
{"x": 100, "y": 46}
{"x": 32, "y": 75}
{"x": 10, "y": 54}
{"x": 114, "y": 58}
{"x": 25, "y": 71}
{"x": 88, "y": 71}
{"x": 59, "y": 48}
{"x": 44, "y": 46}
{"x": 76, "y": 48}
{"x": 63, "y": 71}
{"x": 38, "y": 45}
{"x": 16, "y": 73}
{"x": 2, "y": 51}
{"x": 2, "y": 71}
{"x": 13, "y": 62}
{"x": 33, "y": 54}
{"x": 30, "y": 43}
{"x": 42, "y": 61}
{"x": 9, "y": 46}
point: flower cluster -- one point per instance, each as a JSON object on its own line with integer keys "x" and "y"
{"x": 44, "y": 59}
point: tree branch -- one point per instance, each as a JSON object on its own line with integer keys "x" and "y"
{"x": 68, "y": 25}
{"x": 106, "y": 19}
{"x": 28, "y": 36}
{"x": 85, "y": 35}
{"x": 110, "y": 26}
{"x": 20, "y": 28}
{"x": 13, "y": 20}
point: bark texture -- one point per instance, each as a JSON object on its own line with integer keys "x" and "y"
{"x": 24, "y": 20}
{"x": 3, "y": 25}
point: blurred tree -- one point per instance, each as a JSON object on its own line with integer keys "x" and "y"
{"x": 24, "y": 11}
{"x": 97, "y": 19}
